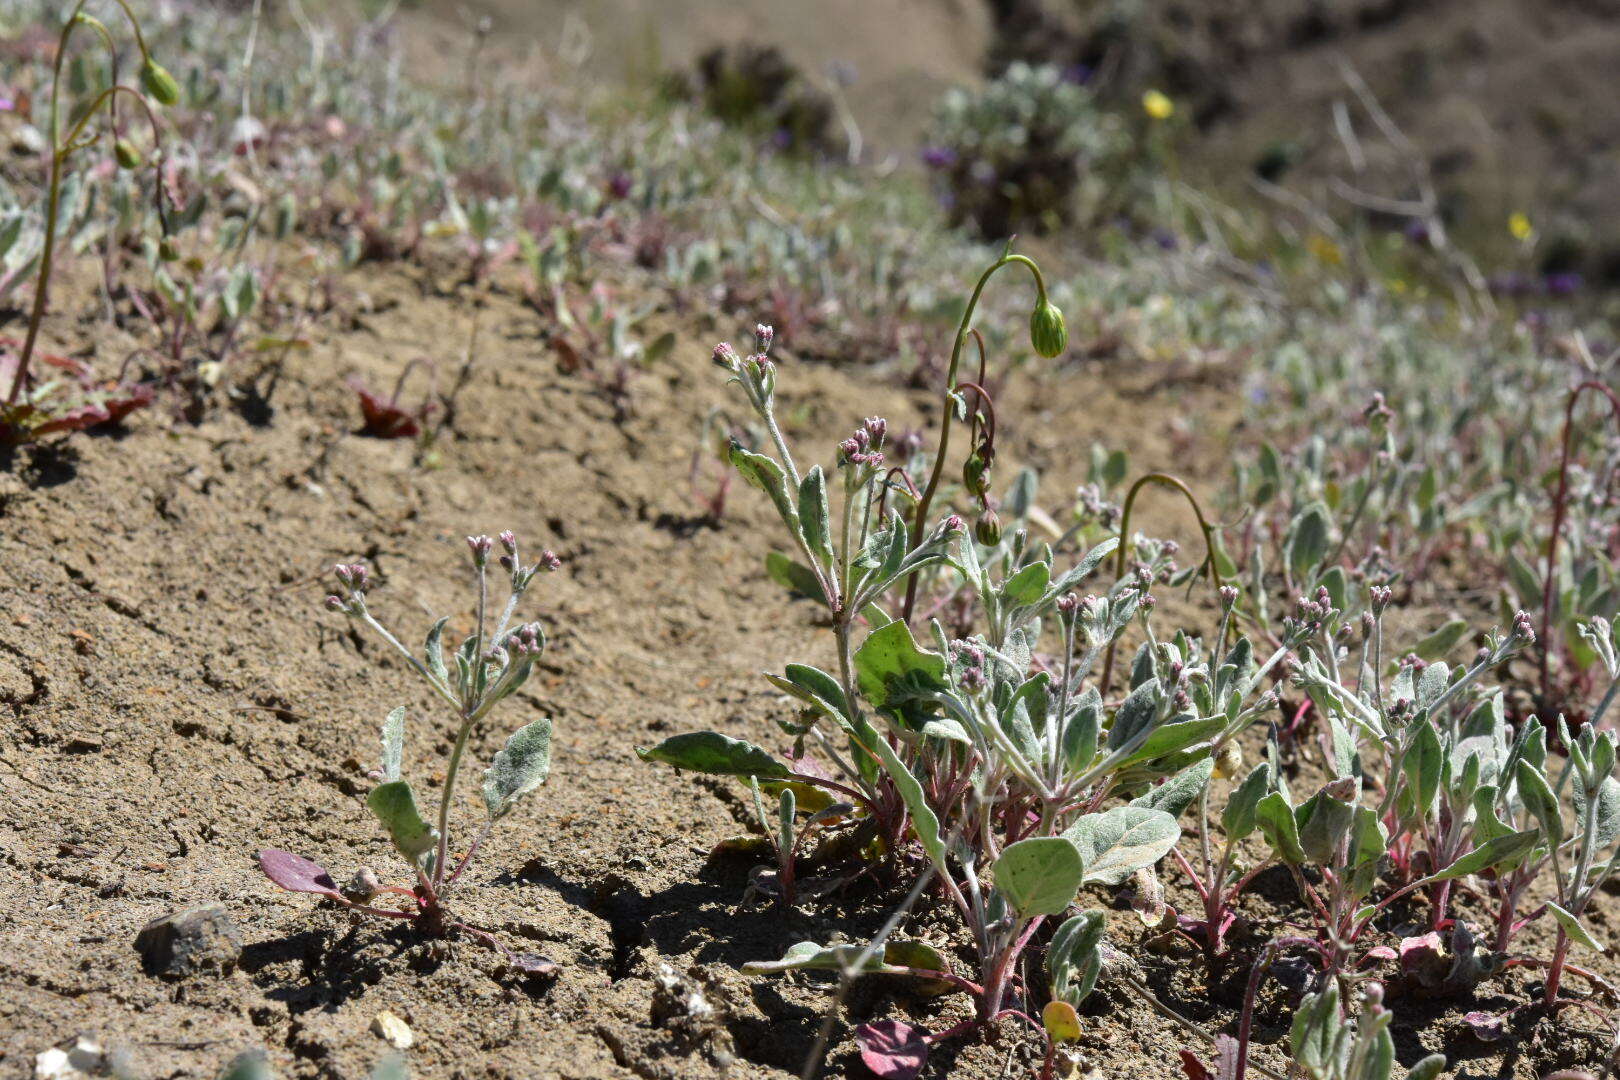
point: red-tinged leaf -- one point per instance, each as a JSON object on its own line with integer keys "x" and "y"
{"x": 77, "y": 368}
{"x": 1227, "y": 1056}
{"x": 1424, "y": 962}
{"x": 1487, "y": 1027}
{"x": 382, "y": 418}
{"x": 75, "y": 419}
{"x": 892, "y": 1050}
{"x": 297, "y": 874}
{"x": 133, "y": 397}
{"x": 1193, "y": 1068}
{"x": 568, "y": 357}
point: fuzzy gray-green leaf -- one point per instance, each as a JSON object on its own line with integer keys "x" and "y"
{"x": 1177, "y": 793}
{"x": 1040, "y": 876}
{"x": 717, "y": 754}
{"x": 395, "y": 806}
{"x": 1572, "y": 926}
{"x": 1116, "y": 843}
{"x": 814, "y": 517}
{"x": 393, "y": 744}
{"x": 433, "y": 651}
{"x": 519, "y": 768}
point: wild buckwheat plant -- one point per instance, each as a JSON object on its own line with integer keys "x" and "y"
{"x": 489, "y": 666}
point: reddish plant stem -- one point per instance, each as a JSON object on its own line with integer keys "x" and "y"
{"x": 1176, "y": 484}
{"x": 1560, "y": 511}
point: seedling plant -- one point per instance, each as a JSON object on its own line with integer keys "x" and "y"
{"x": 490, "y": 665}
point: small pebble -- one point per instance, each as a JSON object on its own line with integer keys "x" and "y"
{"x": 392, "y": 1030}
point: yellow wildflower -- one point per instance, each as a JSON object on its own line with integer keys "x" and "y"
{"x": 1158, "y": 105}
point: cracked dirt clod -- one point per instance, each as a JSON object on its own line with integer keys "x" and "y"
{"x": 190, "y": 942}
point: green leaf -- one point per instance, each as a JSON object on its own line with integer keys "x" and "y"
{"x": 1114, "y": 469}
{"x": 1496, "y": 850}
{"x": 1424, "y": 759}
{"x": 1175, "y": 735}
{"x": 815, "y": 688}
{"x": 1275, "y": 819}
{"x": 1316, "y": 1028}
{"x": 1540, "y": 801}
{"x": 716, "y": 754}
{"x": 248, "y": 1065}
{"x": 795, "y": 577}
{"x": 1177, "y": 793}
{"x": 924, "y": 822}
{"x": 433, "y": 651}
{"x": 1116, "y": 843}
{"x": 1074, "y": 959}
{"x": 1239, "y": 817}
{"x": 1572, "y": 926}
{"x": 764, "y": 473}
{"x": 892, "y": 672}
{"x": 922, "y": 956}
{"x": 393, "y": 744}
{"x": 1082, "y": 570}
{"x": 786, "y": 808}
{"x": 1080, "y": 736}
{"x": 1325, "y": 818}
{"x": 1429, "y": 1068}
{"x": 1526, "y": 582}
{"x": 1027, "y": 586}
{"x": 518, "y": 769}
{"x": 662, "y": 346}
{"x": 1039, "y": 876}
{"x": 1135, "y": 715}
{"x": 1334, "y": 581}
{"x": 809, "y": 956}
{"x": 395, "y": 806}
{"x": 1607, "y": 825}
{"x": 814, "y": 517}
{"x": 1442, "y": 641}
{"x": 1308, "y": 539}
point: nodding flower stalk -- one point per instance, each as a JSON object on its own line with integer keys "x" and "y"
{"x": 159, "y": 85}
{"x": 1048, "y": 335}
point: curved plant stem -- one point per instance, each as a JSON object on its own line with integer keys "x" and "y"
{"x": 53, "y": 197}
{"x": 1176, "y": 484}
{"x": 919, "y": 521}
{"x": 1560, "y": 510}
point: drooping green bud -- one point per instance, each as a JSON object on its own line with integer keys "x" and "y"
{"x": 168, "y": 250}
{"x": 975, "y": 474}
{"x": 987, "y": 529}
{"x": 128, "y": 157}
{"x": 159, "y": 83}
{"x": 1047, "y": 331}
